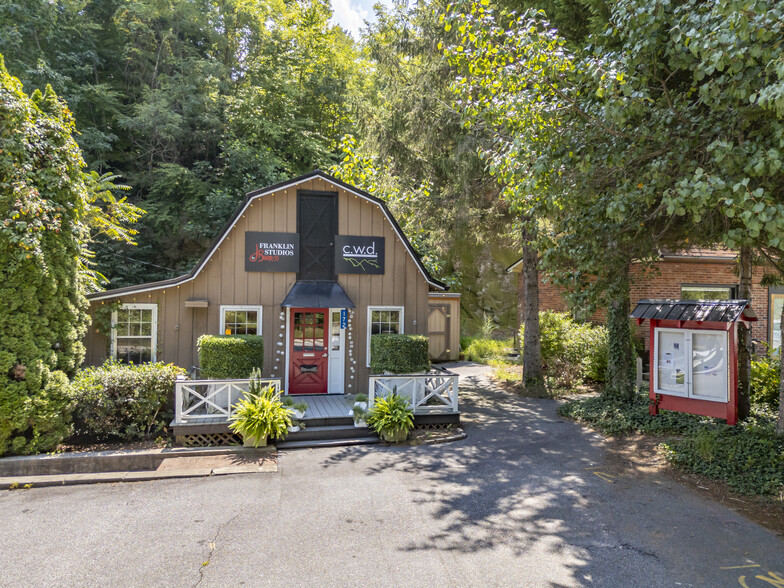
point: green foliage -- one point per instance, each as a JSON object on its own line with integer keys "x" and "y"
{"x": 261, "y": 414}
{"x": 661, "y": 129}
{"x": 578, "y": 350}
{"x": 124, "y": 401}
{"x": 481, "y": 350}
{"x": 765, "y": 380}
{"x": 359, "y": 413}
{"x": 749, "y": 456}
{"x": 43, "y": 198}
{"x": 230, "y": 356}
{"x": 193, "y": 103}
{"x": 51, "y": 209}
{"x": 398, "y": 354}
{"x": 414, "y": 152}
{"x": 391, "y": 415}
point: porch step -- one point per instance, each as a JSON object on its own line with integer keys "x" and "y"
{"x": 313, "y": 422}
{"x": 327, "y": 442}
{"x": 329, "y": 432}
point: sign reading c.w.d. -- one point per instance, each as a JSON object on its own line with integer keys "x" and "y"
{"x": 271, "y": 252}
{"x": 359, "y": 255}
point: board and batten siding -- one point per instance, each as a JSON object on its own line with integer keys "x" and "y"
{"x": 224, "y": 281}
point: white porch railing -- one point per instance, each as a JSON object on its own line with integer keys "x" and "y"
{"x": 432, "y": 393}
{"x": 211, "y": 400}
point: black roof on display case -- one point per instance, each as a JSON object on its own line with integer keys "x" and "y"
{"x": 711, "y": 311}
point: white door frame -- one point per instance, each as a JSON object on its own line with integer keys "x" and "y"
{"x": 336, "y": 371}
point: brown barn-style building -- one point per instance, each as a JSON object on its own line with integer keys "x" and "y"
{"x": 314, "y": 265}
{"x": 692, "y": 274}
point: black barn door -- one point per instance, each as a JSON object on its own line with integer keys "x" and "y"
{"x": 317, "y": 218}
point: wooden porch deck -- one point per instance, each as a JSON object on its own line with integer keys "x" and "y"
{"x": 320, "y": 406}
{"x": 326, "y": 406}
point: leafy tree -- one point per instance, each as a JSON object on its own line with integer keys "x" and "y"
{"x": 413, "y": 138}
{"x": 646, "y": 136}
{"x": 50, "y": 208}
{"x": 193, "y": 103}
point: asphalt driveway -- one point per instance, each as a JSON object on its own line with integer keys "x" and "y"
{"x": 528, "y": 499}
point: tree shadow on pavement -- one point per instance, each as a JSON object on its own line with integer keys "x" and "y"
{"x": 520, "y": 481}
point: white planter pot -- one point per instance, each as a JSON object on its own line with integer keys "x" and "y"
{"x": 296, "y": 414}
{"x": 362, "y": 405}
{"x": 360, "y": 424}
{"x": 293, "y": 429}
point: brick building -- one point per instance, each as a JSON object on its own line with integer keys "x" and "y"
{"x": 693, "y": 274}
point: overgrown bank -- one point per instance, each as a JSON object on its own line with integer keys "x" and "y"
{"x": 749, "y": 457}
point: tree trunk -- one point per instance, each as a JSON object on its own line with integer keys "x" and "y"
{"x": 744, "y": 338}
{"x": 532, "y": 351}
{"x": 620, "y": 363}
{"x": 780, "y": 422}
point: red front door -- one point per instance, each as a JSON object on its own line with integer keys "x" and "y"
{"x": 308, "y": 351}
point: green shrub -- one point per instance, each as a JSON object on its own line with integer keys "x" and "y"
{"x": 480, "y": 350}
{"x": 225, "y": 357}
{"x": 577, "y": 349}
{"x": 748, "y": 457}
{"x": 125, "y": 401}
{"x": 765, "y": 380}
{"x": 398, "y": 354}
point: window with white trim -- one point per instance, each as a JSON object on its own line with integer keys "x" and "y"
{"x": 135, "y": 333}
{"x": 383, "y": 320}
{"x": 240, "y": 320}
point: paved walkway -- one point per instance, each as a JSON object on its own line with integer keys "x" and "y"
{"x": 526, "y": 500}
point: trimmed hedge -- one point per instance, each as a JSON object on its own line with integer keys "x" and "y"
{"x": 125, "y": 401}
{"x": 398, "y": 354}
{"x": 225, "y": 357}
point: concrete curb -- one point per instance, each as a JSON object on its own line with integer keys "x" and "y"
{"x": 42, "y": 481}
{"x": 90, "y": 462}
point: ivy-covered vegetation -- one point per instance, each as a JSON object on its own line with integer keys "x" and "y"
{"x": 398, "y": 354}
{"x": 49, "y": 209}
{"x": 749, "y": 456}
{"x": 230, "y": 356}
{"x": 123, "y": 401}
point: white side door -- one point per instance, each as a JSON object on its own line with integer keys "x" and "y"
{"x": 337, "y": 353}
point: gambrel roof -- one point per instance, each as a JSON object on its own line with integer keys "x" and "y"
{"x": 261, "y": 193}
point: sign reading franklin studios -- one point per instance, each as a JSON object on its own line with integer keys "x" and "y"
{"x": 271, "y": 252}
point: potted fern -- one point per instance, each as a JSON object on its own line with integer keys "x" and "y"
{"x": 260, "y": 415}
{"x": 391, "y": 417}
{"x": 297, "y": 409}
{"x": 359, "y": 414}
{"x": 361, "y": 401}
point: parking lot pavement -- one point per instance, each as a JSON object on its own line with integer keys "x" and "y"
{"x": 528, "y": 499}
